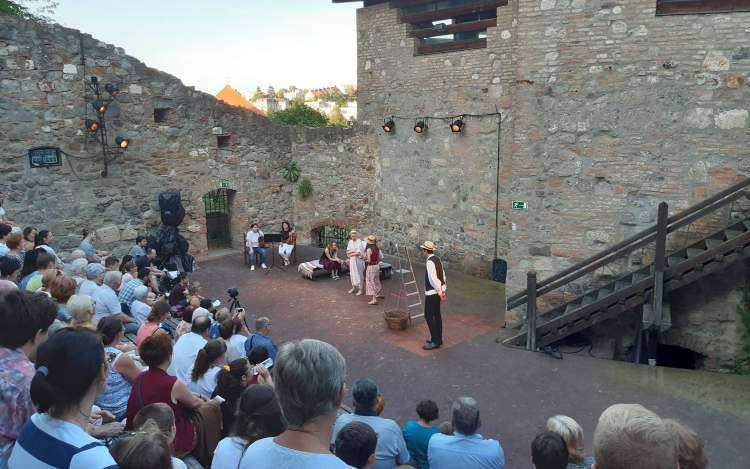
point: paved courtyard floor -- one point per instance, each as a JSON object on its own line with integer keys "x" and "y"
{"x": 516, "y": 390}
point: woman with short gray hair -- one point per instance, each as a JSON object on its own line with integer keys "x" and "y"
{"x": 310, "y": 383}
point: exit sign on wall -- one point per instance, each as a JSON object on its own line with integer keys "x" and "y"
{"x": 520, "y": 205}
{"x": 224, "y": 183}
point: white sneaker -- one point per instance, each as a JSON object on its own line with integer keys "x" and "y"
{"x": 286, "y": 262}
{"x": 252, "y": 267}
{"x": 263, "y": 266}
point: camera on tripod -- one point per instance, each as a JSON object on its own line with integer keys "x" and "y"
{"x": 233, "y": 292}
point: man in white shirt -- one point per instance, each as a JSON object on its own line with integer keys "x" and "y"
{"x": 107, "y": 303}
{"x": 434, "y": 286}
{"x": 252, "y": 245}
{"x": 187, "y": 348}
{"x": 355, "y": 250}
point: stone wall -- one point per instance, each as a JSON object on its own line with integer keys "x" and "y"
{"x": 42, "y": 103}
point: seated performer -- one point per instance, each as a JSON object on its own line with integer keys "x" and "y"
{"x": 330, "y": 261}
{"x": 288, "y": 238}
{"x": 252, "y": 245}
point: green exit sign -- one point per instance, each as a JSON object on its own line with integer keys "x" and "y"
{"x": 224, "y": 183}
{"x": 520, "y": 205}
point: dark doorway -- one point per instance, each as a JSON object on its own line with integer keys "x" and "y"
{"x": 673, "y": 356}
{"x": 332, "y": 234}
{"x": 218, "y": 222}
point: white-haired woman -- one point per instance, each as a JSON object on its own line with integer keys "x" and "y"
{"x": 139, "y": 309}
{"x": 572, "y": 433}
{"x": 77, "y": 270}
{"x": 81, "y": 309}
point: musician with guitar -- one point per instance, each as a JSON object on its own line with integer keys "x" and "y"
{"x": 255, "y": 242}
{"x": 288, "y": 240}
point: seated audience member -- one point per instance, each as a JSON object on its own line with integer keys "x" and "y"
{"x": 147, "y": 262}
{"x": 629, "y": 435}
{"x": 122, "y": 370}
{"x": 230, "y": 383}
{"x": 77, "y": 270}
{"x": 47, "y": 280}
{"x": 240, "y": 334}
{"x": 94, "y": 279}
{"x": 260, "y": 374}
{"x": 391, "y": 450}
{"x": 61, "y": 289}
{"x": 446, "y": 428}
{"x": 107, "y": 303}
{"x": 129, "y": 271}
{"x": 157, "y": 314}
{"x": 155, "y": 386}
{"x": 42, "y": 241}
{"x": 87, "y": 246}
{"x": 126, "y": 293}
{"x": 194, "y": 294}
{"x": 81, "y": 309}
{"x": 25, "y": 318}
{"x": 140, "y": 247}
{"x": 258, "y": 416}
{"x": 208, "y": 303}
{"x": 5, "y": 231}
{"x": 29, "y": 236}
{"x": 310, "y": 386}
{"x": 417, "y": 434}
{"x": 44, "y": 263}
{"x": 466, "y": 448}
{"x": 162, "y": 416}
{"x": 572, "y": 433}
{"x": 28, "y": 269}
{"x": 549, "y": 451}
{"x": 222, "y": 315}
{"x": 187, "y": 348}
{"x": 14, "y": 242}
{"x": 208, "y": 362}
{"x": 228, "y": 330}
{"x": 183, "y": 327}
{"x": 355, "y": 445}
{"x": 77, "y": 254}
{"x": 260, "y": 337}
{"x": 144, "y": 449}
{"x": 689, "y": 446}
{"x": 139, "y": 309}
{"x": 177, "y": 295}
{"x": 63, "y": 389}
{"x": 9, "y": 268}
{"x": 112, "y": 264}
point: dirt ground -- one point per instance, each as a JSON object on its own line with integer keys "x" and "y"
{"x": 516, "y": 390}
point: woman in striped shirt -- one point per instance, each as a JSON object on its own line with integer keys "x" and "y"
{"x": 71, "y": 372}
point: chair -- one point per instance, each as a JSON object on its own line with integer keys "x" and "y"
{"x": 257, "y": 257}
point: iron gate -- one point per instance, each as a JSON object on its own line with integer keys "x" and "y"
{"x": 218, "y": 224}
{"x": 331, "y": 234}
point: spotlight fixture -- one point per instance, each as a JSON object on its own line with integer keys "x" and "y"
{"x": 110, "y": 88}
{"x": 99, "y": 107}
{"x": 389, "y": 126}
{"x": 420, "y": 127}
{"x": 457, "y": 125}
{"x": 122, "y": 142}
{"x": 92, "y": 125}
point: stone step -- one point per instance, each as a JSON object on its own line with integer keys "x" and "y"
{"x": 603, "y": 293}
{"x": 693, "y": 252}
{"x": 674, "y": 260}
{"x": 731, "y": 234}
{"x": 713, "y": 242}
{"x": 572, "y": 307}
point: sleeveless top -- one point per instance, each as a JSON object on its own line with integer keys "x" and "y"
{"x": 154, "y": 386}
{"x": 375, "y": 256}
{"x": 144, "y": 332}
{"x": 324, "y": 258}
{"x": 115, "y": 397}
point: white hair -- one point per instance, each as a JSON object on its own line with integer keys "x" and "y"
{"x": 201, "y": 312}
{"x": 77, "y": 268}
{"x": 80, "y": 307}
{"x": 571, "y": 432}
{"x": 112, "y": 278}
{"x": 77, "y": 254}
{"x": 139, "y": 292}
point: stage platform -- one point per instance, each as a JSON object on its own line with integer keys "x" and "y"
{"x": 516, "y": 390}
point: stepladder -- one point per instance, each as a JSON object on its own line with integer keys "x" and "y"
{"x": 408, "y": 292}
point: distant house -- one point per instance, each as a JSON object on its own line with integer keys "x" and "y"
{"x": 292, "y": 95}
{"x": 314, "y": 94}
{"x": 273, "y": 104}
{"x": 349, "y": 89}
{"x": 231, "y": 96}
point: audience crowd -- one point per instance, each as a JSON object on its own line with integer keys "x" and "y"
{"x": 93, "y": 375}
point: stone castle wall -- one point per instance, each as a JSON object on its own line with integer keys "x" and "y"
{"x": 42, "y": 103}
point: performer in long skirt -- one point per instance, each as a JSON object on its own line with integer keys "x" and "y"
{"x": 355, "y": 250}
{"x": 373, "y": 269}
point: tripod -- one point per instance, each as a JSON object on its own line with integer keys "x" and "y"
{"x": 234, "y": 305}
{"x": 273, "y": 259}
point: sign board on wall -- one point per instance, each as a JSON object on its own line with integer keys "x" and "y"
{"x": 520, "y": 205}
{"x": 224, "y": 183}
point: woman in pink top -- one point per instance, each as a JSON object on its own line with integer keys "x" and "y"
{"x": 160, "y": 312}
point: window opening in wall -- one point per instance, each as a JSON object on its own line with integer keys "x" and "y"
{"x": 223, "y": 141}
{"x": 218, "y": 223}
{"x": 332, "y": 234}
{"x": 672, "y": 356}
{"x": 443, "y": 26}
{"x": 160, "y": 115}
{"x": 688, "y": 7}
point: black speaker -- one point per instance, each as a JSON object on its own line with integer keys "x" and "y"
{"x": 172, "y": 211}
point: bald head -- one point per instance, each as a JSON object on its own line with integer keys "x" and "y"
{"x": 201, "y": 325}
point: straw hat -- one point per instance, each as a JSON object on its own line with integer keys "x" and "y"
{"x": 371, "y": 239}
{"x": 429, "y": 245}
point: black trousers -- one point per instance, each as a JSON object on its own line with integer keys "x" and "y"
{"x": 433, "y": 317}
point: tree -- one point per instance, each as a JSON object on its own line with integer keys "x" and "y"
{"x": 280, "y": 93}
{"x": 292, "y": 88}
{"x": 270, "y": 92}
{"x": 258, "y": 94}
{"x": 37, "y": 10}
{"x": 337, "y": 119}
{"x": 299, "y": 115}
{"x": 336, "y": 96}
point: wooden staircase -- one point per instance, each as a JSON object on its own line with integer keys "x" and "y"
{"x": 668, "y": 272}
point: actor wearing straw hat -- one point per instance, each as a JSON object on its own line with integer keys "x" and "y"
{"x": 356, "y": 252}
{"x": 372, "y": 274}
{"x": 434, "y": 293}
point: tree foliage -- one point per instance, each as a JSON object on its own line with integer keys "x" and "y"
{"x": 37, "y": 10}
{"x": 271, "y": 92}
{"x": 258, "y": 94}
{"x": 336, "y": 96}
{"x": 300, "y": 115}
{"x": 337, "y": 119}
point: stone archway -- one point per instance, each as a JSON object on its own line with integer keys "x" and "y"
{"x": 217, "y": 204}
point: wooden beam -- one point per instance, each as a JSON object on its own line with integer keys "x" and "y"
{"x": 411, "y": 3}
{"x": 456, "y": 28}
{"x": 701, "y": 6}
{"x": 451, "y": 46}
{"x": 449, "y": 13}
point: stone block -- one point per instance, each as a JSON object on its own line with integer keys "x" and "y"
{"x": 540, "y": 251}
{"x": 128, "y": 233}
{"x": 698, "y": 192}
{"x": 731, "y": 119}
{"x": 108, "y": 234}
{"x": 597, "y": 172}
{"x": 715, "y": 62}
{"x": 70, "y": 69}
{"x": 699, "y": 118}
{"x": 599, "y": 236}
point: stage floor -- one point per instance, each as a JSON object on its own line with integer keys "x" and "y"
{"x": 516, "y": 390}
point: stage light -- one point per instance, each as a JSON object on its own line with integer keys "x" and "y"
{"x": 110, "y": 88}
{"x": 388, "y": 126}
{"x": 99, "y": 107}
{"x": 122, "y": 142}
{"x": 419, "y": 127}
{"x": 456, "y": 126}
{"x": 92, "y": 125}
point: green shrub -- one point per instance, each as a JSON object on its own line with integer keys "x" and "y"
{"x": 305, "y": 188}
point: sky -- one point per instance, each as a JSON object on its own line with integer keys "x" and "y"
{"x": 245, "y": 43}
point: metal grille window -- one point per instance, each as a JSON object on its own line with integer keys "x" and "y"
{"x": 689, "y": 7}
{"x": 218, "y": 224}
{"x": 332, "y": 234}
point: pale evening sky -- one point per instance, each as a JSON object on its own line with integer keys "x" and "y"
{"x": 307, "y": 43}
